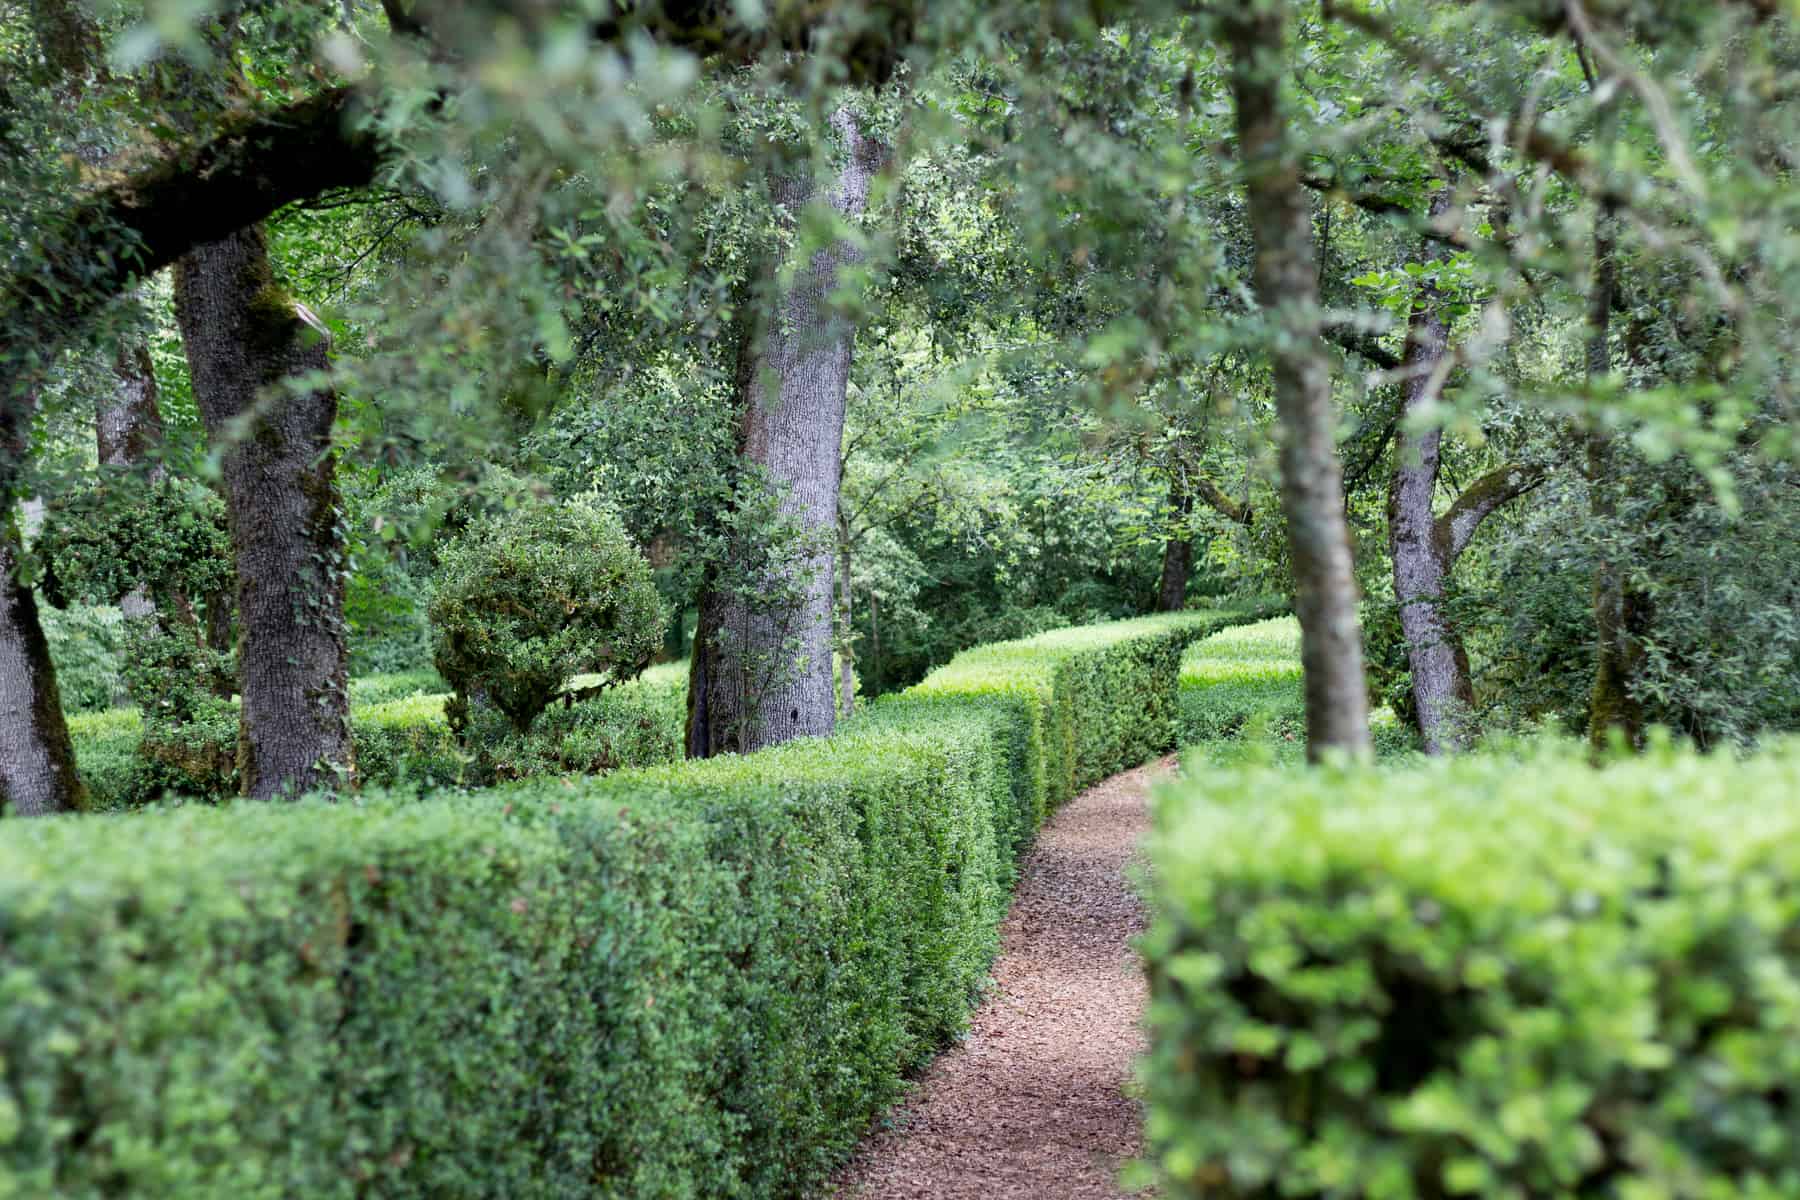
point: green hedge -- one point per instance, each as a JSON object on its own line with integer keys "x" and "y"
{"x": 1243, "y": 678}
{"x": 1492, "y": 976}
{"x": 1244, "y": 684}
{"x": 402, "y": 738}
{"x": 693, "y": 980}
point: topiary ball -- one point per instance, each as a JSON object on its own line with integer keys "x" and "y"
{"x": 526, "y": 600}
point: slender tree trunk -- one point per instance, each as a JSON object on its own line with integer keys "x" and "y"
{"x": 1312, "y": 488}
{"x": 245, "y": 340}
{"x": 1178, "y": 553}
{"x": 847, "y": 653}
{"x": 128, "y": 430}
{"x": 761, "y": 677}
{"x": 1442, "y": 690}
{"x": 1616, "y": 652}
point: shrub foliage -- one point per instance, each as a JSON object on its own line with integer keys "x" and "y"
{"x": 527, "y": 599}
{"x": 1479, "y": 977}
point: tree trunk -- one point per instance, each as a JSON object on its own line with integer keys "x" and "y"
{"x": 128, "y": 430}
{"x": 1616, "y": 652}
{"x": 847, "y": 653}
{"x": 762, "y": 674}
{"x": 1178, "y": 554}
{"x": 245, "y": 341}
{"x": 37, "y": 759}
{"x": 1441, "y": 687}
{"x": 1312, "y": 488}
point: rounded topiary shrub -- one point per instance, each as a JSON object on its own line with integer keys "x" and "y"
{"x": 525, "y": 601}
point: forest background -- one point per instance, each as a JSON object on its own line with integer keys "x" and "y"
{"x": 877, "y": 331}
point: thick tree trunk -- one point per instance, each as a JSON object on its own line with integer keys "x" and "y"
{"x": 1312, "y": 489}
{"x": 1178, "y": 554}
{"x": 37, "y": 760}
{"x": 245, "y": 340}
{"x": 762, "y": 675}
{"x": 1441, "y": 687}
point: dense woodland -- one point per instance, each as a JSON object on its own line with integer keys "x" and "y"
{"x": 881, "y": 331}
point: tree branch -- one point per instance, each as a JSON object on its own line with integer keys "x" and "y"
{"x": 1498, "y": 487}
{"x": 1219, "y": 502}
{"x": 106, "y": 243}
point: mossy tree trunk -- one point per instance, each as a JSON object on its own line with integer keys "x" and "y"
{"x": 762, "y": 674}
{"x": 1618, "y": 653}
{"x": 247, "y": 345}
{"x": 1287, "y": 285}
{"x": 37, "y": 759}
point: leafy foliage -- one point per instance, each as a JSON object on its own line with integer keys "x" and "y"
{"x": 524, "y": 601}
{"x": 1494, "y": 976}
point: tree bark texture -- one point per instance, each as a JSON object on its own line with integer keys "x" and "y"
{"x": 128, "y": 432}
{"x": 1312, "y": 489}
{"x": 763, "y": 675}
{"x": 1442, "y": 690}
{"x": 245, "y": 340}
{"x": 846, "y": 652}
{"x": 1178, "y": 554}
{"x": 1617, "y": 654}
{"x": 37, "y": 759}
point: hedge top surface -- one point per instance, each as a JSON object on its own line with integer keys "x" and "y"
{"x": 1036, "y": 656}
{"x": 1430, "y": 827}
{"x": 1266, "y": 650}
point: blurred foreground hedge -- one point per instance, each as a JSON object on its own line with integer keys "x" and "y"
{"x": 1494, "y": 976}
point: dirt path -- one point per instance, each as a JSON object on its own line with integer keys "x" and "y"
{"x": 1031, "y": 1104}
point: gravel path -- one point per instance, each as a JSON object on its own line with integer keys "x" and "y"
{"x": 1031, "y": 1104}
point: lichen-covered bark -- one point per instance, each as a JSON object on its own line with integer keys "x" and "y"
{"x": 761, "y": 677}
{"x": 1312, "y": 490}
{"x": 246, "y": 341}
{"x": 37, "y": 760}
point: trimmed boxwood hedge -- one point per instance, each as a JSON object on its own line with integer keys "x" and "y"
{"x": 1508, "y": 977}
{"x": 403, "y": 738}
{"x": 692, "y": 980}
{"x": 1242, "y": 694}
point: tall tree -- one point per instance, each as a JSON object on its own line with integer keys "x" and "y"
{"x": 762, "y": 674}
{"x": 1424, "y": 545}
{"x": 1287, "y": 286}
{"x": 250, "y": 348}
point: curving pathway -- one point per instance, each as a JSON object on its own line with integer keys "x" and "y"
{"x": 1032, "y": 1103}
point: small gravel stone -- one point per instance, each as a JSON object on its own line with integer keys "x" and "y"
{"x": 1032, "y": 1103}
